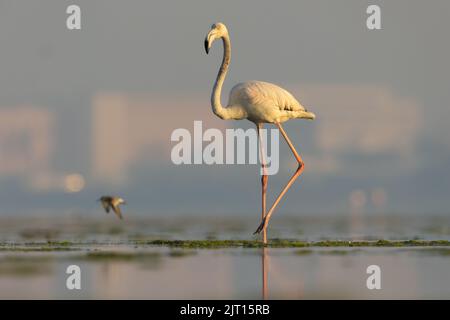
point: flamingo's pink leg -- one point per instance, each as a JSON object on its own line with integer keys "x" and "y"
{"x": 298, "y": 172}
{"x": 264, "y": 179}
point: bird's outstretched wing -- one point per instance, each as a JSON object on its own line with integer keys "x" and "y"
{"x": 117, "y": 210}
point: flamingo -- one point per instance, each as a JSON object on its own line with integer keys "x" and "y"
{"x": 259, "y": 102}
{"x": 109, "y": 202}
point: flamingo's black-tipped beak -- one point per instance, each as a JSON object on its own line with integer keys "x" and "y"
{"x": 206, "y": 45}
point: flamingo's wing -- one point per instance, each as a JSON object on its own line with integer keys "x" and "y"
{"x": 265, "y": 93}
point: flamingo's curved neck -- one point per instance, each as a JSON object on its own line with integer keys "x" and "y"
{"x": 232, "y": 112}
{"x": 217, "y": 107}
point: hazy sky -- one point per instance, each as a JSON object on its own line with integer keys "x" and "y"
{"x": 381, "y": 98}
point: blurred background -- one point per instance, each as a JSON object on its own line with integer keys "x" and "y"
{"x": 90, "y": 112}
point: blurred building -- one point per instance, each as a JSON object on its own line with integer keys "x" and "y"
{"x": 357, "y": 125}
{"x": 130, "y": 128}
{"x": 26, "y": 140}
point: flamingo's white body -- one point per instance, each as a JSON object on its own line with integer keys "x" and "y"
{"x": 259, "y": 102}
{"x": 265, "y": 102}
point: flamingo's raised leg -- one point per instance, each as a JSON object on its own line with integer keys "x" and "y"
{"x": 298, "y": 172}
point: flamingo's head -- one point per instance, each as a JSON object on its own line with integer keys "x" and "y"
{"x": 218, "y": 30}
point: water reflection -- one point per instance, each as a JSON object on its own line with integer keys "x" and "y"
{"x": 114, "y": 268}
{"x": 160, "y": 273}
{"x": 265, "y": 271}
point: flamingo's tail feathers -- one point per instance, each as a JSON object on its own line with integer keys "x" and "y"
{"x": 306, "y": 115}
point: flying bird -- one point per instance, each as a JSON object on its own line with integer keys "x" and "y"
{"x": 113, "y": 203}
{"x": 259, "y": 102}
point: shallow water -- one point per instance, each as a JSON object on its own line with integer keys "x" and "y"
{"x": 163, "y": 273}
{"x": 311, "y": 228}
{"x": 125, "y": 271}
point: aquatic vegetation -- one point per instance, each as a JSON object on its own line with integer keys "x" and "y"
{"x": 135, "y": 255}
{"x": 412, "y": 243}
{"x": 23, "y": 269}
{"x": 333, "y": 252}
{"x": 26, "y": 258}
{"x": 216, "y": 243}
{"x": 280, "y": 243}
{"x": 62, "y": 243}
{"x": 304, "y": 252}
{"x": 25, "y": 265}
{"x": 181, "y": 253}
{"x": 38, "y": 233}
{"x": 442, "y": 252}
{"x": 338, "y": 252}
{"x": 119, "y": 256}
{"x": 36, "y": 249}
{"x": 210, "y": 244}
